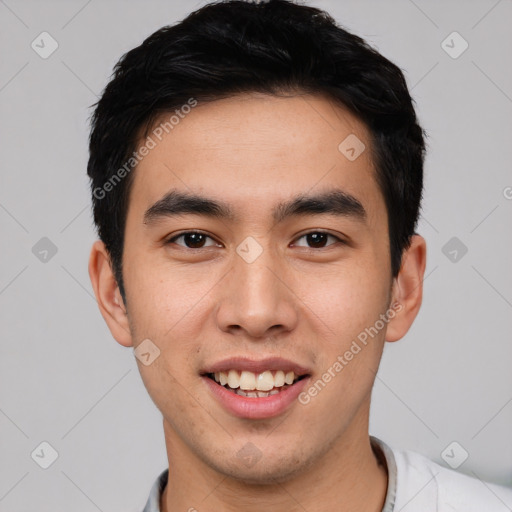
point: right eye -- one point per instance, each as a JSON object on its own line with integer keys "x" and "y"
{"x": 192, "y": 240}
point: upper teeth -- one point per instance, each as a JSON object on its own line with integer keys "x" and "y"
{"x": 248, "y": 380}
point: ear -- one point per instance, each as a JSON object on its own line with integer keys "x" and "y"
{"x": 407, "y": 291}
{"x": 107, "y": 294}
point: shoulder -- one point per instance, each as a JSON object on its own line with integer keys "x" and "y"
{"x": 155, "y": 495}
{"x": 423, "y": 484}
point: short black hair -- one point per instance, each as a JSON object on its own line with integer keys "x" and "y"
{"x": 232, "y": 47}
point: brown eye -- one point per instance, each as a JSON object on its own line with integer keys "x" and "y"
{"x": 317, "y": 240}
{"x": 192, "y": 240}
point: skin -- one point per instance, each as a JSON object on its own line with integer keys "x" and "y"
{"x": 303, "y": 303}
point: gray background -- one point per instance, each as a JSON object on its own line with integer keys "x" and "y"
{"x": 64, "y": 380}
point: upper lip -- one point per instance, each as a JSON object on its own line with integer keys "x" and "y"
{"x": 256, "y": 365}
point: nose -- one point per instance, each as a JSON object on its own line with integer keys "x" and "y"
{"x": 257, "y": 300}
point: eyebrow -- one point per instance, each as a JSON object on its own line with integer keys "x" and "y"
{"x": 333, "y": 202}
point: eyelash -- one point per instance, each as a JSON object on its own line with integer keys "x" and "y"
{"x": 176, "y": 237}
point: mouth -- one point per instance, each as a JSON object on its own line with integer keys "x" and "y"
{"x": 255, "y": 389}
{"x": 256, "y": 385}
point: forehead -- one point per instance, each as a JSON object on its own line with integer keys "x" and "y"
{"x": 253, "y": 150}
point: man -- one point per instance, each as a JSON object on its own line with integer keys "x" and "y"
{"x": 256, "y": 174}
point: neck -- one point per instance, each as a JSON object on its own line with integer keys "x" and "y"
{"x": 347, "y": 477}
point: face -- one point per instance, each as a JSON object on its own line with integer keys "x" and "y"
{"x": 269, "y": 282}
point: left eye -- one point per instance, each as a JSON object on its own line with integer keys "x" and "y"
{"x": 192, "y": 240}
{"x": 317, "y": 239}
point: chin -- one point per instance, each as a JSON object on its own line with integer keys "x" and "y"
{"x": 266, "y": 470}
{"x": 263, "y": 474}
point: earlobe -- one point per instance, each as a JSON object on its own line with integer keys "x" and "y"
{"x": 407, "y": 290}
{"x": 107, "y": 294}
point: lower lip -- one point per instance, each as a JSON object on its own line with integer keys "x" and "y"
{"x": 256, "y": 408}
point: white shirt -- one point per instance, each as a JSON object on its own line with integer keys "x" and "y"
{"x": 415, "y": 484}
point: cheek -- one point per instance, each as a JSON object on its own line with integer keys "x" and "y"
{"x": 167, "y": 309}
{"x": 166, "y": 299}
{"x": 346, "y": 299}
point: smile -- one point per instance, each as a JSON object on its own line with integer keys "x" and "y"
{"x": 255, "y": 389}
{"x": 255, "y": 385}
